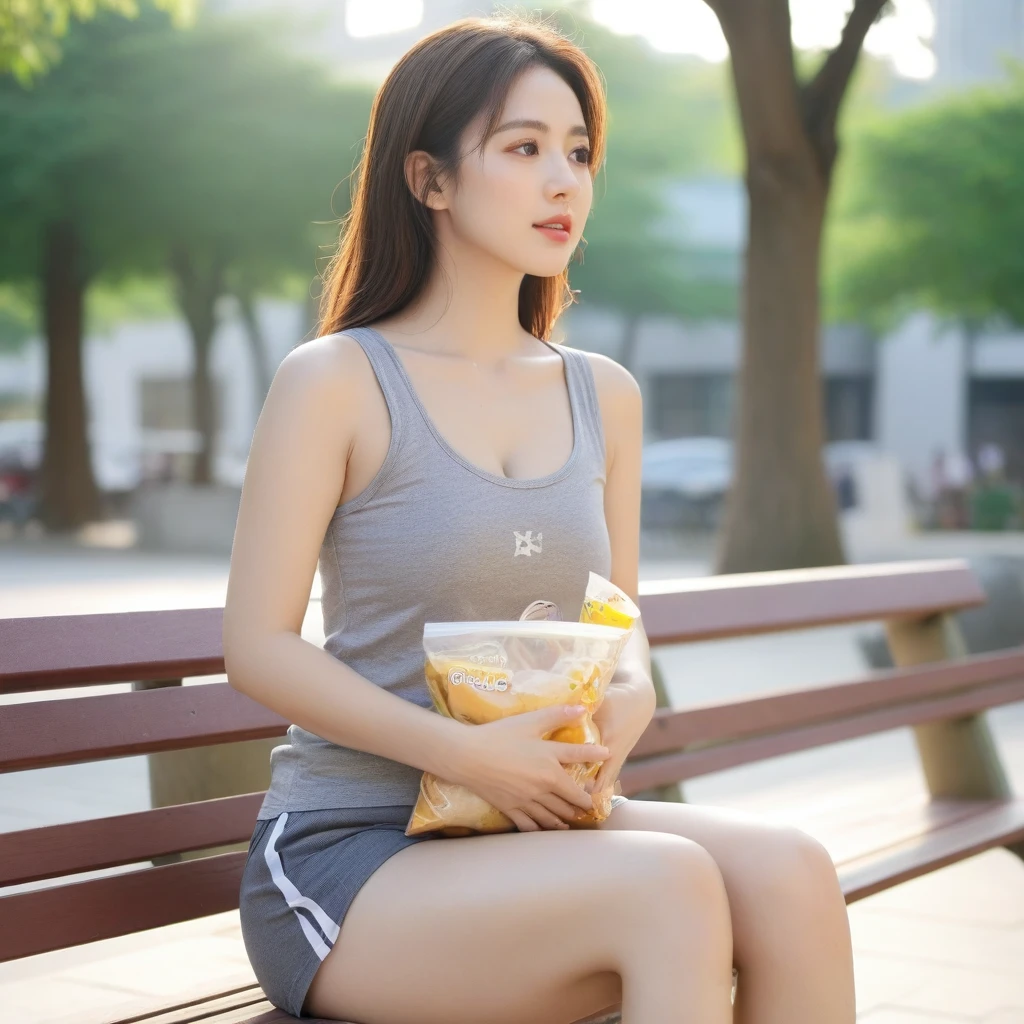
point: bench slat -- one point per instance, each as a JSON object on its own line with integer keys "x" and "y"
{"x": 75, "y": 650}
{"x": 670, "y": 730}
{"x": 36, "y": 853}
{"x": 872, "y": 827}
{"x": 51, "y": 732}
{"x": 668, "y": 768}
{"x": 998, "y": 825}
{"x": 713, "y": 607}
{"x": 198, "y": 1000}
{"x": 229, "y": 1008}
{"x": 120, "y": 904}
{"x": 45, "y": 733}
{"x": 40, "y": 653}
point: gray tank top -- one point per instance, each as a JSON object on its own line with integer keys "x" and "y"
{"x": 435, "y": 538}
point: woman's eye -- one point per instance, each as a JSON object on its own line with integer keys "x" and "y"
{"x": 585, "y": 159}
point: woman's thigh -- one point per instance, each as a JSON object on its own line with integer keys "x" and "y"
{"x": 763, "y": 864}
{"x": 503, "y": 928}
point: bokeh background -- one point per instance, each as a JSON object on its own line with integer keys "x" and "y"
{"x": 170, "y": 185}
{"x": 806, "y": 250}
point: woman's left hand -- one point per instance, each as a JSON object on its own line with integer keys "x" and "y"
{"x": 624, "y": 714}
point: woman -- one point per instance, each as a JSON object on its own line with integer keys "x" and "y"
{"x": 444, "y": 461}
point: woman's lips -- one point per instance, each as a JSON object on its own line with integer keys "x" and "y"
{"x": 556, "y": 234}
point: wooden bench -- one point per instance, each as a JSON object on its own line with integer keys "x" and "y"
{"x": 936, "y": 689}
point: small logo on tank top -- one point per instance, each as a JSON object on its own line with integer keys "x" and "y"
{"x": 526, "y": 545}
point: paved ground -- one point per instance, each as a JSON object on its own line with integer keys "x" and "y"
{"x": 945, "y": 948}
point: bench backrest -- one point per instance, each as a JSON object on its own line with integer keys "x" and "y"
{"x": 154, "y": 650}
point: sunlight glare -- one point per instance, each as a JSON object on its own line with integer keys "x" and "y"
{"x": 376, "y": 17}
{"x": 690, "y": 26}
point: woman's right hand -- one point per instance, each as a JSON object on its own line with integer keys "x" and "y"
{"x": 514, "y": 769}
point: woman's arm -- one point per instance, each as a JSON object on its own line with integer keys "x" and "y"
{"x": 622, "y": 414}
{"x": 293, "y": 482}
{"x": 630, "y": 701}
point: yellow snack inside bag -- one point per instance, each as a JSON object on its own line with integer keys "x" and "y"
{"x": 608, "y": 604}
{"x": 481, "y": 672}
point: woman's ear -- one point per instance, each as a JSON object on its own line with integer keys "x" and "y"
{"x": 421, "y": 177}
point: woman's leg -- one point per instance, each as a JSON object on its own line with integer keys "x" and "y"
{"x": 546, "y": 927}
{"x": 791, "y": 934}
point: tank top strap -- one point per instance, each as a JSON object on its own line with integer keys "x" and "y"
{"x": 583, "y": 390}
{"x": 390, "y": 376}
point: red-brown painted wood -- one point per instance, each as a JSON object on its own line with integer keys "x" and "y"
{"x": 671, "y": 730}
{"x": 76, "y": 650}
{"x": 999, "y": 825}
{"x": 712, "y": 607}
{"x": 100, "y": 908}
{"x": 36, "y": 853}
{"x": 676, "y": 767}
{"x": 52, "y": 732}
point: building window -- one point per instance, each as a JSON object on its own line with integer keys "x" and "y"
{"x": 849, "y": 408}
{"x": 692, "y": 405}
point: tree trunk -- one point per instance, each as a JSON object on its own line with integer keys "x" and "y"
{"x": 262, "y": 374}
{"x": 198, "y": 289}
{"x": 69, "y": 497}
{"x": 781, "y": 511}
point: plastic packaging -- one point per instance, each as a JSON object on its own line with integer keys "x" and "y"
{"x": 480, "y": 672}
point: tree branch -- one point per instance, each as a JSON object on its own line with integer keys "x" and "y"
{"x": 761, "y": 48}
{"x": 823, "y": 95}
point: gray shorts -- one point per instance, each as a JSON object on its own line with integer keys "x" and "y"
{"x": 301, "y": 875}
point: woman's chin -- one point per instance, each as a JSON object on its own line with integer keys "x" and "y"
{"x": 545, "y": 268}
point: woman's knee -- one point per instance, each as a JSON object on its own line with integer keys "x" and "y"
{"x": 677, "y": 875}
{"x": 792, "y": 869}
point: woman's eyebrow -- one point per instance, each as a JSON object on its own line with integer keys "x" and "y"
{"x": 540, "y": 126}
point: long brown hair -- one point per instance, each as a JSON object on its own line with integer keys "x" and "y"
{"x": 387, "y": 240}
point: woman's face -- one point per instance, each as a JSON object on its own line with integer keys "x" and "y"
{"x": 525, "y": 174}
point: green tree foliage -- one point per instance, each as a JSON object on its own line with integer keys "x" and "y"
{"x": 17, "y": 318}
{"x": 209, "y": 153}
{"x": 30, "y": 30}
{"x": 934, "y": 213}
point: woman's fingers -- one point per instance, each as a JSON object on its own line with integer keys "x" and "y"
{"x": 572, "y": 792}
{"x": 543, "y": 817}
{"x": 523, "y": 822}
{"x": 580, "y": 753}
{"x": 562, "y": 808}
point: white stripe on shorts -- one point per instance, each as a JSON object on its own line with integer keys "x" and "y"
{"x": 295, "y": 898}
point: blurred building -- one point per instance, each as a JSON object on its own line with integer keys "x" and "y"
{"x": 927, "y": 387}
{"x": 974, "y": 38}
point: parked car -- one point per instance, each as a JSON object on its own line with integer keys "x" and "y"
{"x": 684, "y": 481}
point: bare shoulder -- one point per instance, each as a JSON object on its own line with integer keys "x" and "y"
{"x": 620, "y": 399}
{"x": 324, "y": 364}
{"x": 326, "y": 381}
{"x": 613, "y": 380}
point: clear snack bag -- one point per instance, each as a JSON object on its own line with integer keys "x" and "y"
{"x": 480, "y": 672}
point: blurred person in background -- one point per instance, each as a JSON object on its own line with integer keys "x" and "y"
{"x": 954, "y": 481}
